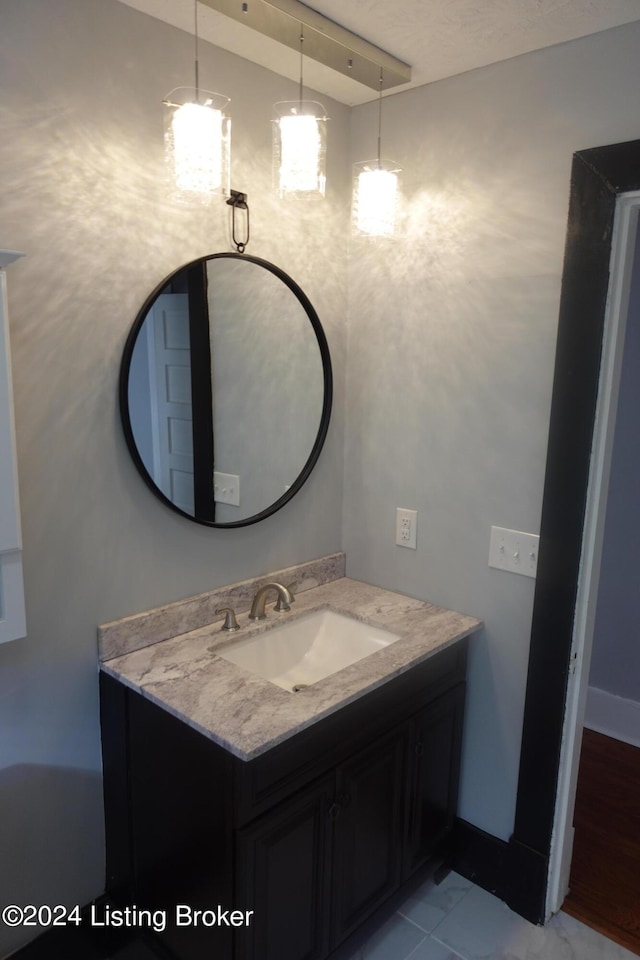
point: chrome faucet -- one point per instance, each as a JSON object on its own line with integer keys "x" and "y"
{"x": 285, "y": 598}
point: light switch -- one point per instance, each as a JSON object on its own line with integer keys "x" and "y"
{"x": 514, "y": 551}
{"x": 226, "y": 488}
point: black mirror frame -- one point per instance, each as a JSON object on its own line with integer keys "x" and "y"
{"x": 123, "y": 391}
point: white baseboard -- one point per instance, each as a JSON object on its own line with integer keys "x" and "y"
{"x": 613, "y": 716}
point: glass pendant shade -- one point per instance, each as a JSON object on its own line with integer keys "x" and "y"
{"x": 376, "y": 199}
{"x": 300, "y": 148}
{"x": 197, "y": 136}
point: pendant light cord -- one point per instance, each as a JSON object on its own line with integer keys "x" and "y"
{"x": 195, "y": 19}
{"x": 301, "y": 56}
{"x": 380, "y": 119}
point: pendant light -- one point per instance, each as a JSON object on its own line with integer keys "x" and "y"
{"x": 197, "y": 135}
{"x": 376, "y": 194}
{"x": 300, "y": 144}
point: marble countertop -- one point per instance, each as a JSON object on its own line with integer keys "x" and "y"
{"x": 248, "y": 715}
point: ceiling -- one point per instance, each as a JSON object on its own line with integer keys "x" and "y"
{"x": 438, "y": 38}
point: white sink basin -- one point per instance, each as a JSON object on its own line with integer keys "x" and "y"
{"x": 307, "y": 649}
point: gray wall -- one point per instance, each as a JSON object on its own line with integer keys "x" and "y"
{"x": 615, "y": 659}
{"x": 450, "y": 353}
{"x": 82, "y": 193}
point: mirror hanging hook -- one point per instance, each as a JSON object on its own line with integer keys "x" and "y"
{"x": 238, "y": 201}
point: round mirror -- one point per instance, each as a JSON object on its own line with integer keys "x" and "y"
{"x": 225, "y": 390}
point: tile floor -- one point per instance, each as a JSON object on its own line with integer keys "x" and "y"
{"x": 459, "y": 920}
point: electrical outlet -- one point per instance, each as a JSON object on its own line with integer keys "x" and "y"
{"x": 226, "y": 488}
{"x": 514, "y": 551}
{"x": 406, "y": 527}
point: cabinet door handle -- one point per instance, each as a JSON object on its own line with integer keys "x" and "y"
{"x": 333, "y": 811}
{"x": 419, "y": 749}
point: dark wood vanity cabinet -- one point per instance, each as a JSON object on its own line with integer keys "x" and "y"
{"x": 313, "y": 836}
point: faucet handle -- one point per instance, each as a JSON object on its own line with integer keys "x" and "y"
{"x": 283, "y": 603}
{"x": 230, "y": 622}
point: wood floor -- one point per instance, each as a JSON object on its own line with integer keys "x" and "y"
{"x": 605, "y": 870}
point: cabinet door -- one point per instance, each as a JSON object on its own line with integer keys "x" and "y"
{"x": 434, "y": 756}
{"x": 367, "y": 835}
{"x": 283, "y": 874}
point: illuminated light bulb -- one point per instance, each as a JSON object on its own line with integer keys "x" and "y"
{"x": 376, "y": 199}
{"x": 197, "y": 136}
{"x": 299, "y": 148}
{"x": 300, "y": 153}
{"x": 197, "y": 154}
